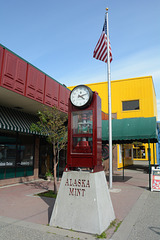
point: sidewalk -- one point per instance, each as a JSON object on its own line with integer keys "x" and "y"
{"x": 143, "y": 221}
{"x": 21, "y": 208}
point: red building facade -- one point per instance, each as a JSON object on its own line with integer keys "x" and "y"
{"x": 24, "y": 89}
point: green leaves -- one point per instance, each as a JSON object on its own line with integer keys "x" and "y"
{"x": 52, "y": 125}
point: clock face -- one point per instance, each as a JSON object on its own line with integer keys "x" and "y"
{"x": 81, "y": 96}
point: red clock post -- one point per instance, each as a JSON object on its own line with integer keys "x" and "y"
{"x": 84, "y": 130}
{"x": 83, "y": 202}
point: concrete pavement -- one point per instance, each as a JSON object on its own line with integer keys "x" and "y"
{"x": 143, "y": 221}
{"x": 15, "y": 229}
{"x": 28, "y": 215}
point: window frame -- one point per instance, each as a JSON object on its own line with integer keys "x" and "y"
{"x": 126, "y": 110}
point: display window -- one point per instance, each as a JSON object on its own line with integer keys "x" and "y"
{"x": 25, "y": 151}
{"x": 139, "y": 152}
{"x": 16, "y": 155}
{"x": 7, "y": 150}
{"x": 82, "y": 129}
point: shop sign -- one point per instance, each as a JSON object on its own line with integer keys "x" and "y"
{"x": 25, "y": 164}
{"x": 155, "y": 179}
{"x": 3, "y": 164}
{"x": 77, "y": 187}
{"x": 9, "y": 163}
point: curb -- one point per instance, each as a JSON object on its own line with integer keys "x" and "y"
{"x": 48, "y": 229}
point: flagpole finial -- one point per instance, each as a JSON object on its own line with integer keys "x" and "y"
{"x": 107, "y": 9}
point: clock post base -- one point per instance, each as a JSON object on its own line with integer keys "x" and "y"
{"x": 83, "y": 203}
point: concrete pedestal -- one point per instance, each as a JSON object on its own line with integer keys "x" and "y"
{"x": 83, "y": 203}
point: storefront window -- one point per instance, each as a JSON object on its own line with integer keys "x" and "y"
{"x": 7, "y": 150}
{"x": 128, "y": 153}
{"x": 25, "y": 151}
{"x": 7, "y": 155}
{"x": 139, "y": 152}
{"x": 16, "y": 155}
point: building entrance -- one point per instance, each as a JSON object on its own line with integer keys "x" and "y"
{"x": 45, "y": 159}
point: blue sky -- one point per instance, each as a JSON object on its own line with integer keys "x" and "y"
{"x": 59, "y": 38}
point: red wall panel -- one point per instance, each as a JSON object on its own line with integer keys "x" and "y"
{"x": 61, "y": 100}
{"x": 35, "y": 84}
{"x": 20, "y": 78}
{"x": 67, "y": 93}
{"x": 51, "y": 92}
{"x": 48, "y": 91}
{"x": 9, "y": 70}
{"x": 14, "y": 73}
{"x": 1, "y": 59}
{"x": 40, "y": 86}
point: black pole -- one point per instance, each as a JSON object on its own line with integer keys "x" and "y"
{"x": 149, "y": 158}
{"x": 154, "y": 154}
{"x": 123, "y": 160}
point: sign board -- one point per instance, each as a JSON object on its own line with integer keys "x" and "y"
{"x": 155, "y": 179}
{"x": 87, "y": 206}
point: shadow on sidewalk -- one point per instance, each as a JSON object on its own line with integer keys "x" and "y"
{"x": 39, "y": 184}
{"x": 155, "y": 230}
{"x": 135, "y": 176}
{"x": 139, "y": 168}
{"x": 119, "y": 178}
{"x": 50, "y": 202}
{"x": 44, "y": 185}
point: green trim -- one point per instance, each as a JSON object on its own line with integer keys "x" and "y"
{"x": 31, "y": 64}
{"x": 17, "y": 121}
{"x": 128, "y": 130}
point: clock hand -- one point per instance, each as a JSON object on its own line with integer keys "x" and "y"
{"x": 81, "y": 96}
{"x": 84, "y": 94}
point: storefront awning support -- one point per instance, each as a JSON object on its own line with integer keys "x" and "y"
{"x": 123, "y": 160}
{"x": 149, "y": 159}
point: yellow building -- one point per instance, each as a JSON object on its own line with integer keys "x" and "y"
{"x": 131, "y": 98}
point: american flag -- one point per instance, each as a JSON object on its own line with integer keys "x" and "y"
{"x": 100, "y": 51}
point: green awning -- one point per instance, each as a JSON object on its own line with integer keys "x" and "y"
{"x": 14, "y": 120}
{"x": 128, "y": 130}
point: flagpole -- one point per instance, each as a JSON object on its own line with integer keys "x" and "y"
{"x": 109, "y": 106}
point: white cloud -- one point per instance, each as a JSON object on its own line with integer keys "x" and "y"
{"x": 142, "y": 63}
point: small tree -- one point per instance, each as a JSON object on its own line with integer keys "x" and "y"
{"x": 52, "y": 124}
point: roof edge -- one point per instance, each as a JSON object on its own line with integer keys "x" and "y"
{"x": 31, "y": 64}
